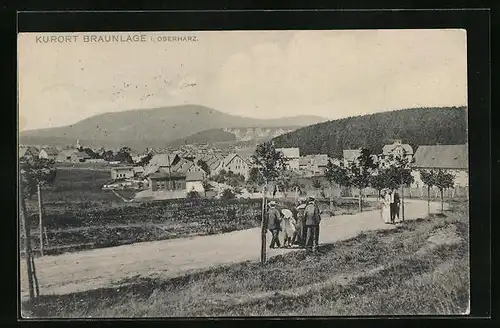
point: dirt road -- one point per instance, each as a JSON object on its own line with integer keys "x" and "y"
{"x": 73, "y": 272}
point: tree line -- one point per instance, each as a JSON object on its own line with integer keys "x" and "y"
{"x": 417, "y": 126}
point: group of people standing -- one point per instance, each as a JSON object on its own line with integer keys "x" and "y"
{"x": 390, "y": 202}
{"x": 300, "y": 225}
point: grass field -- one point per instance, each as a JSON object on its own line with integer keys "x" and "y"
{"x": 79, "y": 215}
{"x": 422, "y": 267}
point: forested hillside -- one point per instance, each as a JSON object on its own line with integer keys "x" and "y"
{"x": 416, "y": 126}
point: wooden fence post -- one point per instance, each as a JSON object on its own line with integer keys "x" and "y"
{"x": 40, "y": 220}
{"x": 27, "y": 246}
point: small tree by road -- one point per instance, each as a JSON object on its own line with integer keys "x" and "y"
{"x": 338, "y": 174}
{"x": 379, "y": 180}
{"x": 428, "y": 177}
{"x": 270, "y": 165}
{"x": 400, "y": 175}
{"x": 444, "y": 180}
{"x": 361, "y": 171}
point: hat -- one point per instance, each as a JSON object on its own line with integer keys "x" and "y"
{"x": 311, "y": 199}
{"x": 272, "y": 203}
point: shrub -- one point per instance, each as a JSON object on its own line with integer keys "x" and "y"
{"x": 228, "y": 194}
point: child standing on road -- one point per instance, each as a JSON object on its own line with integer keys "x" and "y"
{"x": 289, "y": 228}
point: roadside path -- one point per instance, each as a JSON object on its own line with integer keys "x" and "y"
{"x": 93, "y": 269}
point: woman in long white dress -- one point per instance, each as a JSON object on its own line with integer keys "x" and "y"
{"x": 386, "y": 207}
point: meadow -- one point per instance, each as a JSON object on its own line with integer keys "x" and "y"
{"x": 419, "y": 268}
{"x": 78, "y": 214}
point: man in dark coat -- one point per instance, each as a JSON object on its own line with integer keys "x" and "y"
{"x": 312, "y": 220}
{"x": 397, "y": 203}
{"x": 301, "y": 228}
{"x": 273, "y": 224}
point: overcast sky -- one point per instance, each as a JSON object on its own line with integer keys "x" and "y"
{"x": 259, "y": 74}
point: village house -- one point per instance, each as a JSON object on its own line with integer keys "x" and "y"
{"x": 313, "y": 165}
{"x": 194, "y": 182}
{"x": 161, "y": 161}
{"x": 351, "y": 155}
{"x": 162, "y": 181}
{"x": 124, "y": 172}
{"x": 291, "y": 157}
{"x": 28, "y": 152}
{"x": 79, "y": 157}
{"x": 48, "y": 153}
{"x": 397, "y": 149}
{"x": 236, "y": 164}
{"x": 72, "y": 156}
{"x": 450, "y": 158}
{"x": 185, "y": 167}
{"x": 138, "y": 171}
{"x": 214, "y": 165}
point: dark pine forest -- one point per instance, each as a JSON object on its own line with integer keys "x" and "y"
{"x": 415, "y": 126}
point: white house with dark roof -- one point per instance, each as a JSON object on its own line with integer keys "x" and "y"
{"x": 48, "y": 153}
{"x": 160, "y": 161}
{"x": 351, "y": 155}
{"x": 453, "y": 159}
{"x": 396, "y": 149}
{"x": 123, "y": 172}
{"x": 194, "y": 182}
{"x": 311, "y": 165}
{"x": 292, "y": 158}
{"x": 186, "y": 167}
{"x": 236, "y": 164}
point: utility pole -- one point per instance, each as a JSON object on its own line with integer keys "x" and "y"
{"x": 169, "y": 172}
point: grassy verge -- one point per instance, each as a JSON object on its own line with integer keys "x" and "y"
{"x": 421, "y": 267}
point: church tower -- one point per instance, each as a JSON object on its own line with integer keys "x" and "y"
{"x": 78, "y": 144}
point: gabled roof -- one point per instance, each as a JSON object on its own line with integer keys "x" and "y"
{"x": 122, "y": 168}
{"x": 229, "y": 158}
{"x": 442, "y": 156}
{"x": 194, "y": 176}
{"x": 289, "y": 152}
{"x": 50, "y": 151}
{"x": 182, "y": 166}
{"x": 388, "y": 149}
{"x": 81, "y": 154}
{"x": 304, "y": 161}
{"x": 157, "y": 161}
{"x": 351, "y": 154}
{"x": 163, "y": 175}
{"x": 138, "y": 169}
{"x": 23, "y": 151}
{"x": 214, "y": 164}
{"x": 320, "y": 160}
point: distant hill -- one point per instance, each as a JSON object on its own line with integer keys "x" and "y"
{"x": 151, "y": 127}
{"x": 416, "y": 126}
{"x": 242, "y": 137}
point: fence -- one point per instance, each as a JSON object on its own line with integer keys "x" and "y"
{"x": 422, "y": 192}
